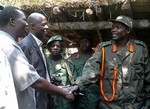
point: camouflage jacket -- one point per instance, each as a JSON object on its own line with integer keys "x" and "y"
{"x": 133, "y": 75}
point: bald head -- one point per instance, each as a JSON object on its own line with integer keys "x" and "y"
{"x": 38, "y": 25}
{"x": 35, "y": 18}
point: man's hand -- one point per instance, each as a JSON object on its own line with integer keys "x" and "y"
{"x": 69, "y": 91}
{"x": 73, "y": 89}
{"x": 69, "y": 96}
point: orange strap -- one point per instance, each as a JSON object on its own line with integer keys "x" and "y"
{"x": 131, "y": 48}
{"x": 78, "y": 55}
{"x": 96, "y": 48}
{"x": 114, "y": 48}
{"x": 101, "y": 83}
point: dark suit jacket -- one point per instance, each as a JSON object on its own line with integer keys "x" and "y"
{"x": 32, "y": 52}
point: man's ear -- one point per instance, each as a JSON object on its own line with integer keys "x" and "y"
{"x": 128, "y": 31}
{"x": 11, "y": 21}
{"x": 31, "y": 25}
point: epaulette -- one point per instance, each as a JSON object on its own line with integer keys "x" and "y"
{"x": 69, "y": 61}
{"x": 104, "y": 44}
{"x": 140, "y": 43}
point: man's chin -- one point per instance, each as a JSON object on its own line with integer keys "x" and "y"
{"x": 115, "y": 39}
{"x": 55, "y": 54}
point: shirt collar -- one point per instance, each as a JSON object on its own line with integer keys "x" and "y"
{"x": 39, "y": 42}
{"x": 7, "y": 34}
{"x": 129, "y": 45}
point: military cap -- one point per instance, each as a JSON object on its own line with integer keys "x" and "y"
{"x": 125, "y": 20}
{"x": 54, "y": 38}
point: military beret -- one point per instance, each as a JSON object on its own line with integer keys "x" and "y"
{"x": 55, "y": 38}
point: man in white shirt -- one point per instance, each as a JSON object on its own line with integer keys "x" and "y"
{"x": 8, "y": 99}
{"x": 12, "y": 25}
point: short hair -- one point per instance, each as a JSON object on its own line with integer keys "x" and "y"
{"x": 9, "y": 12}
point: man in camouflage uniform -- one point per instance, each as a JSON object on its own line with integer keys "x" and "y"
{"x": 90, "y": 97}
{"x": 61, "y": 70}
{"x": 122, "y": 66}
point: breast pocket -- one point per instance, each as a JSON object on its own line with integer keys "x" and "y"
{"x": 109, "y": 71}
{"x": 108, "y": 81}
{"x": 138, "y": 70}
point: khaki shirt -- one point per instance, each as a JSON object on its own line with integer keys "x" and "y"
{"x": 60, "y": 71}
{"x": 79, "y": 61}
{"x": 133, "y": 75}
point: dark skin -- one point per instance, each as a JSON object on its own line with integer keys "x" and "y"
{"x": 85, "y": 46}
{"x": 17, "y": 27}
{"x": 120, "y": 34}
{"x": 56, "y": 48}
{"x": 38, "y": 25}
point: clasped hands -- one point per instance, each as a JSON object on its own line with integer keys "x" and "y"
{"x": 70, "y": 91}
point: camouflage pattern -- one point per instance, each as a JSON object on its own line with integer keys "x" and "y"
{"x": 90, "y": 99}
{"x": 133, "y": 75}
{"x": 125, "y": 20}
{"x": 59, "y": 71}
{"x": 54, "y": 38}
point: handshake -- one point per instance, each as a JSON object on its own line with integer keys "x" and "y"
{"x": 71, "y": 92}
